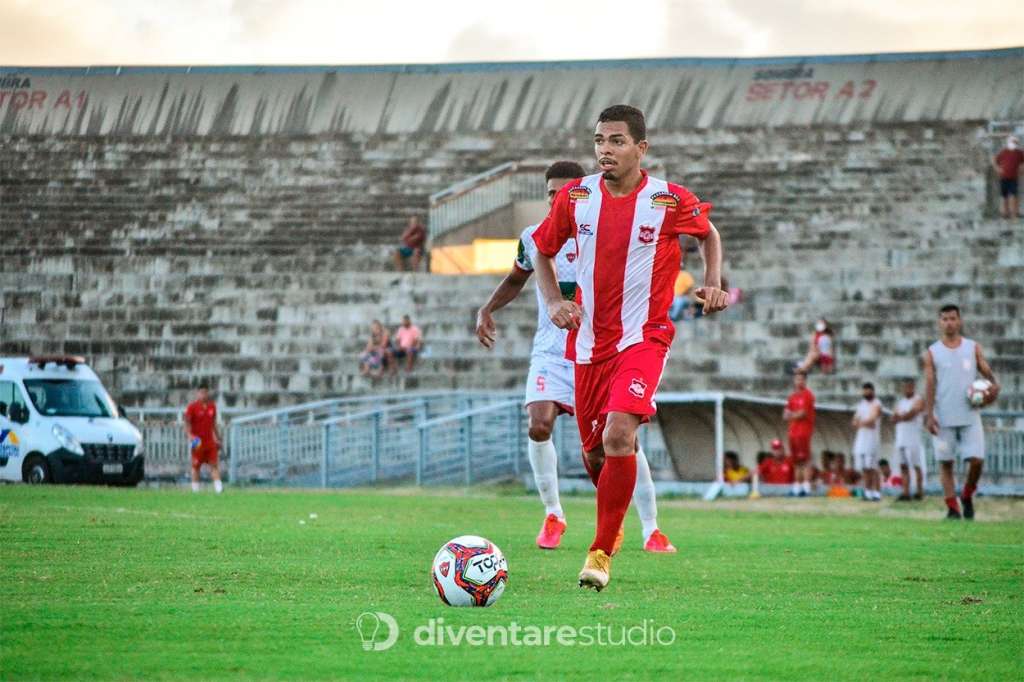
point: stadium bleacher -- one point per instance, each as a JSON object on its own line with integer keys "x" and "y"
{"x": 257, "y": 260}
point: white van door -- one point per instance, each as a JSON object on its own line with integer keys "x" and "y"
{"x": 12, "y": 450}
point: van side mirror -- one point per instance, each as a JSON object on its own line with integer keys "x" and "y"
{"x": 3, "y": 409}
{"x": 18, "y": 413}
{"x": 121, "y": 412}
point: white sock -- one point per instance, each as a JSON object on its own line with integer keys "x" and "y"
{"x": 643, "y": 495}
{"x": 796, "y": 488}
{"x": 195, "y": 486}
{"x": 218, "y": 486}
{"x": 807, "y": 487}
{"x": 544, "y": 462}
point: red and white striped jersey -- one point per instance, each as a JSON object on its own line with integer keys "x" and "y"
{"x": 628, "y": 256}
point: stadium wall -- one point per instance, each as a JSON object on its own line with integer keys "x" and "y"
{"x": 511, "y": 97}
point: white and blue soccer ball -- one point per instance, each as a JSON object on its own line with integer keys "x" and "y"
{"x": 469, "y": 571}
{"x": 976, "y": 392}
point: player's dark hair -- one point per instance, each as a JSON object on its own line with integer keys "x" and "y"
{"x": 883, "y": 462}
{"x": 729, "y": 454}
{"x": 801, "y": 372}
{"x": 950, "y": 308}
{"x": 631, "y": 116}
{"x": 564, "y": 170}
{"x": 204, "y": 386}
{"x": 868, "y": 384}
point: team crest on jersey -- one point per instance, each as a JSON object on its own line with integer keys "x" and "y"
{"x": 638, "y": 388}
{"x": 571, "y": 256}
{"x": 579, "y": 193}
{"x": 668, "y": 200}
{"x": 646, "y": 234}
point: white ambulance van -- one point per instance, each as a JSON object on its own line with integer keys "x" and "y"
{"x": 59, "y": 425}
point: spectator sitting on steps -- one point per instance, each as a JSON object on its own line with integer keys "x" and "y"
{"x": 408, "y": 343}
{"x": 377, "y": 354}
{"x": 411, "y": 249}
{"x": 822, "y": 349}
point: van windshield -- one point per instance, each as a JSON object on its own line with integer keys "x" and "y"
{"x": 70, "y": 398}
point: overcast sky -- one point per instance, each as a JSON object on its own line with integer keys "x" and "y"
{"x": 81, "y": 32}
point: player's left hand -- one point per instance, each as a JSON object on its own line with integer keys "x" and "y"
{"x": 990, "y": 395}
{"x": 714, "y": 299}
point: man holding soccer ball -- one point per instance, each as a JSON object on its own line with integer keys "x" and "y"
{"x": 951, "y": 407}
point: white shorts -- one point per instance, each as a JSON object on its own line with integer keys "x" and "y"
{"x": 910, "y": 455}
{"x": 965, "y": 441}
{"x": 865, "y": 458}
{"x": 551, "y": 379}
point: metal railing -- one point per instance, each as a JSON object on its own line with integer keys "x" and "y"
{"x": 365, "y": 445}
{"x": 471, "y": 446}
{"x": 477, "y": 196}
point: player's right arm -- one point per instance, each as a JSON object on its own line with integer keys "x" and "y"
{"x": 188, "y": 425}
{"x": 930, "y": 422}
{"x": 549, "y": 238}
{"x": 505, "y": 293}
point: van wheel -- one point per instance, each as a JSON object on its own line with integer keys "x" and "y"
{"x": 36, "y": 471}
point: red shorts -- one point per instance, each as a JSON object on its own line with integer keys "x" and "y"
{"x": 826, "y": 362}
{"x": 205, "y": 453}
{"x": 800, "y": 447}
{"x": 623, "y": 383}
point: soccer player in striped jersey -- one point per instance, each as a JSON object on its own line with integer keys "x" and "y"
{"x": 550, "y": 382}
{"x": 627, "y": 227}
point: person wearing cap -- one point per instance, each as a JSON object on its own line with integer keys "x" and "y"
{"x": 777, "y": 469}
{"x": 1008, "y": 163}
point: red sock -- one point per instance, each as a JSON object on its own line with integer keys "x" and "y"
{"x": 614, "y": 491}
{"x": 968, "y": 492}
{"x": 953, "y": 504}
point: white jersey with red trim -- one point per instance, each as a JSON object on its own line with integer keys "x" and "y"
{"x": 548, "y": 339}
{"x": 628, "y": 256}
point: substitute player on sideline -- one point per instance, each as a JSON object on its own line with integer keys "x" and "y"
{"x": 549, "y": 384}
{"x": 627, "y": 227}
{"x": 951, "y": 365}
{"x": 908, "y": 415}
{"x": 799, "y": 412}
{"x": 867, "y": 419}
{"x": 203, "y": 437}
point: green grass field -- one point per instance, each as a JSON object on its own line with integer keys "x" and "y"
{"x": 155, "y": 584}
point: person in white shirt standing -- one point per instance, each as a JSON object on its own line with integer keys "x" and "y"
{"x": 868, "y": 420}
{"x": 951, "y": 365}
{"x": 909, "y": 418}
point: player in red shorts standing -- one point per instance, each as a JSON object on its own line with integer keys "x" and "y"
{"x": 627, "y": 227}
{"x": 799, "y": 412}
{"x": 203, "y": 437}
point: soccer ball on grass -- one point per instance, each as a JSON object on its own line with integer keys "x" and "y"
{"x": 469, "y": 571}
